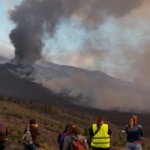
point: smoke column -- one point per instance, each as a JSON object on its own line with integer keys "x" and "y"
{"x": 37, "y": 19}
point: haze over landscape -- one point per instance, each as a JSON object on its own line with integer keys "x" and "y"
{"x": 96, "y": 52}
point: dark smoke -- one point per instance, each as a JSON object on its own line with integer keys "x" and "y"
{"x": 36, "y": 18}
{"x": 32, "y": 19}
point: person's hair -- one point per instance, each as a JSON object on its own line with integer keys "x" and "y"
{"x": 73, "y": 129}
{"x": 133, "y": 121}
{"x": 66, "y": 128}
{"x": 100, "y": 120}
{"x": 32, "y": 121}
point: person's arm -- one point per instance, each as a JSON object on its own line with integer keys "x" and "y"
{"x": 85, "y": 142}
{"x": 109, "y": 131}
{"x": 141, "y": 130}
{"x": 38, "y": 133}
{"x": 86, "y": 145}
{"x": 91, "y": 132}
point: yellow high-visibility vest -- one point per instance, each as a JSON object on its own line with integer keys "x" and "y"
{"x": 101, "y": 139}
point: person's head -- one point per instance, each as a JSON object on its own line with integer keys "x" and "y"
{"x": 66, "y": 128}
{"x": 32, "y": 122}
{"x": 133, "y": 120}
{"x": 73, "y": 129}
{"x": 100, "y": 121}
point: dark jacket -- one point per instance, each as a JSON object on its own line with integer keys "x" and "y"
{"x": 68, "y": 141}
{"x": 134, "y": 134}
{"x": 3, "y": 132}
{"x": 34, "y": 132}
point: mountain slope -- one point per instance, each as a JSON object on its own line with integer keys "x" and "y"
{"x": 45, "y": 81}
{"x": 14, "y": 86}
{"x": 51, "y": 121}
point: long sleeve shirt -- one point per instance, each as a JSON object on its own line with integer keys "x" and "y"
{"x": 135, "y": 133}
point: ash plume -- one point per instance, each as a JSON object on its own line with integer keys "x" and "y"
{"x": 37, "y": 20}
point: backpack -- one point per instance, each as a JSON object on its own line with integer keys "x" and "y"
{"x": 27, "y": 138}
{"x": 61, "y": 140}
{"x": 78, "y": 145}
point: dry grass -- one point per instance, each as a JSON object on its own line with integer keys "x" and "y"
{"x": 51, "y": 121}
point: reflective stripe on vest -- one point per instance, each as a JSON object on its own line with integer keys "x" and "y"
{"x": 101, "y": 139}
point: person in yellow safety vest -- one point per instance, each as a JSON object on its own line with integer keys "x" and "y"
{"x": 100, "y": 134}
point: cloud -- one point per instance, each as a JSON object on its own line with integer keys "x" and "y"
{"x": 6, "y": 51}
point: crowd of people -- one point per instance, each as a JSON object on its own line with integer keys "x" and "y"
{"x": 71, "y": 139}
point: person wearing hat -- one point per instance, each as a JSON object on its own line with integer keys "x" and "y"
{"x": 33, "y": 128}
{"x": 3, "y": 133}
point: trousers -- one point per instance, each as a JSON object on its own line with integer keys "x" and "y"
{"x": 133, "y": 146}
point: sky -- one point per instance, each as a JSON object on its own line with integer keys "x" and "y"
{"x": 117, "y": 43}
{"x": 6, "y": 48}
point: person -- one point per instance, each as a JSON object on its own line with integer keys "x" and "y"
{"x": 3, "y": 133}
{"x": 62, "y": 135}
{"x": 74, "y": 139}
{"x": 134, "y": 133}
{"x": 100, "y": 134}
{"x": 33, "y": 127}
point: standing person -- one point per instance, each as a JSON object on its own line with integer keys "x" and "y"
{"x": 74, "y": 141}
{"x": 100, "y": 134}
{"x": 3, "y": 134}
{"x": 134, "y": 133}
{"x": 33, "y": 129}
{"x": 62, "y": 135}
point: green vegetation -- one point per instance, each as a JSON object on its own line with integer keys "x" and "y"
{"x": 51, "y": 120}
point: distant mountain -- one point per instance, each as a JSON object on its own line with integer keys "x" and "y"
{"x": 45, "y": 81}
{"x": 14, "y": 86}
{"x": 3, "y": 60}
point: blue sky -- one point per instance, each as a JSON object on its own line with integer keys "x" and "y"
{"x": 110, "y": 48}
{"x": 6, "y": 48}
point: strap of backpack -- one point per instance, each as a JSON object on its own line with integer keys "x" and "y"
{"x": 66, "y": 133}
{"x": 81, "y": 138}
{"x": 95, "y": 132}
{"x": 28, "y": 129}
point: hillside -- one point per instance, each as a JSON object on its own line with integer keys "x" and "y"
{"x": 51, "y": 120}
{"x": 17, "y": 87}
{"x": 45, "y": 81}
{"x": 3, "y": 60}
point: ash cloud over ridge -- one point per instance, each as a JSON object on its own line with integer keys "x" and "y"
{"x": 39, "y": 20}
{"x": 35, "y": 18}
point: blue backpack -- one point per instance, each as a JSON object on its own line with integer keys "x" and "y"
{"x": 61, "y": 140}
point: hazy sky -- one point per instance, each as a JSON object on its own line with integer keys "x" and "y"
{"x": 6, "y": 48}
{"x": 118, "y": 44}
